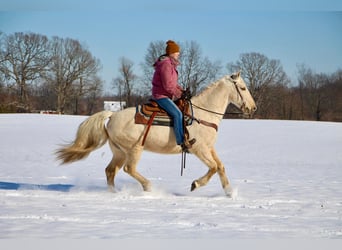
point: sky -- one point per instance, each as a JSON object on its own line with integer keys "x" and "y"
{"x": 293, "y": 32}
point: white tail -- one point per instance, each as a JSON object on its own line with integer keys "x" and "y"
{"x": 91, "y": 135}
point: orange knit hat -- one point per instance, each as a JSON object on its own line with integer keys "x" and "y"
{"x": 171, "y": 47}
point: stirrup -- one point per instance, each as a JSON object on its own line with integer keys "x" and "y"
{"x": 187, "y": 144}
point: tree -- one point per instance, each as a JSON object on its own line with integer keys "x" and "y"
{"x": 334, "y": 95}
{"x": 2, "y": 60}
{"x": 125, "y": 82}
{"x": 71, "y": 66}
{"x": 154, "y": 51}
{"x": 86, "y": 91}
{"x": 93, "y": 94}
{"x": 313, "y": 97}
{"x": 24, "y": 57}
{"x": 196, "y": 71}
{"x": 260, "y": 73}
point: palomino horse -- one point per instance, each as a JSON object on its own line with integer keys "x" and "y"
{"x": 125, "y": 137}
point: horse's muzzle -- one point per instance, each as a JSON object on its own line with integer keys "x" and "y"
{"x": 248, "y": 111}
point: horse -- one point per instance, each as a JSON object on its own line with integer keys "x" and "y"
{"x": 125, "y": 136}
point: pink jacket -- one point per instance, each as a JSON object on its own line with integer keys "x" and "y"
{"x": 165, "y": 79}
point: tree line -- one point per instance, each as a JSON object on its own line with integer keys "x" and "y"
{"x": 41, "y": 73}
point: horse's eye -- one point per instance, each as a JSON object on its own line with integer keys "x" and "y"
{"x": 243, "y": 88}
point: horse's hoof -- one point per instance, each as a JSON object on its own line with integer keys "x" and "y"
{"x": 111, "y": 189}
{"x": 231, "y": 192}
{"x": 194, "y": 185}
{"x": 147, "y": 188}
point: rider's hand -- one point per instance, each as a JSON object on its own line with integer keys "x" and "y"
{"x": 186, "y": 94}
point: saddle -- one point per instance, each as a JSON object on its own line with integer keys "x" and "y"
{"x": 151, "y": 107}
{"x": 151, "y": 111}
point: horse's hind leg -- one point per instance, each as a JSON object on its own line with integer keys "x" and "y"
{"x": 133, "y": 156}
{"x": 114, "y": 166}
{"x": 112, "y": 169}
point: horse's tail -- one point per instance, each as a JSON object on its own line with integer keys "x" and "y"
{"x": 91, "y": 135}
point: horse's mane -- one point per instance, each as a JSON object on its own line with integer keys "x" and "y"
{"x": 209, "y": 87}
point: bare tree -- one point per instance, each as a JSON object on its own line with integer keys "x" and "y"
{"x": 24, "y": 59}
{"x": 88, "y": 88}
{"x": 335, "y": 97}
{"x": 154, "y": 51}
{"x": 125, "y": 82}
{"x": 260, "y": 73}
{"x": 93, "y": 94}
{"x": 70, "y": 63}
{"x": 312, "y": 94}
{"x": 2, "y": 61}
{"x": 3, "y": 53}
{"x": 196, "y": 71}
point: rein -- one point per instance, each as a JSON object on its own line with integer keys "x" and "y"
{"x": 216, "y": 113}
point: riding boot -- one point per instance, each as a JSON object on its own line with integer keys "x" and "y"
{"x": 187, "y": 144}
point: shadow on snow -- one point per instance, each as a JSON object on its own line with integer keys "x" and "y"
{"x": 133, "y": 190}
{"x": 26, "y": 186}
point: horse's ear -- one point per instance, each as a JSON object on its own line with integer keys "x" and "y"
{"x": 236, "y": 75}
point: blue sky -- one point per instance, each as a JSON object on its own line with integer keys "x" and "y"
{"x": 294, "y": 32}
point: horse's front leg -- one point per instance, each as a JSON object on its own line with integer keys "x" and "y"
{"x": 222, "y": 173}
{"x": 210, "y": 158}
{"x": 207, "y": 158}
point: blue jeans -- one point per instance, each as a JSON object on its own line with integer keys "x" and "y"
{"x": 171, "y": 108}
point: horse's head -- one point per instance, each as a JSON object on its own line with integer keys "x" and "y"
{"x": 243, "y": 98}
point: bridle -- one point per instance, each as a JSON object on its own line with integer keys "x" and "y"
{"x": 240, "y": 95}
{"x": 226, "y": 113}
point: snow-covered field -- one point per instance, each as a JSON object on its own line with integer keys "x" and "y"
{"x": 288, "y": 175}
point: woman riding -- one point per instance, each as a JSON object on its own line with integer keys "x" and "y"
{"x": 165, "y": 89}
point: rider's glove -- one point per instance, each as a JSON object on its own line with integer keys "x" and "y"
{"x": 186, "y": 95}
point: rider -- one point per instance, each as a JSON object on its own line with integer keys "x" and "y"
{"x": 165, "y": 89}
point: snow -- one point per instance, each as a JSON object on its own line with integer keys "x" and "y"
{"x": 288, "y": 175}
